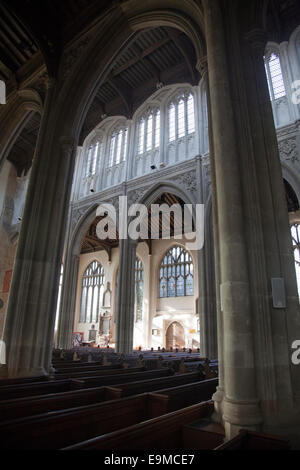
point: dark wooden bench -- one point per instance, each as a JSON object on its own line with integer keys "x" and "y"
{"x": 35, "y": 388}
{"x": 97, "y": 373}
{"x": 250, "y": 440}
{"x": 29, "y": 406}
{"x": 158, "y": 434}
{"x": 61, "y": 428}
{"x": 134, "y": 388}
{"x": 86, "y": 368}
{"x": 53, "y": 430}
{"x": 91, "y": 382}
{"x": 25, "y": 380}
{"x": 172, "y": 399}
{"x": 56, "y": 386}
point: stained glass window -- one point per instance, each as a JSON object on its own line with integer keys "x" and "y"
{"x": 91, "y": 293}
{"x": 176, "y": 274}
{"x": 296, "y": 244}
{"x": 139, "y": 286}
{"x": 275, "y": 77}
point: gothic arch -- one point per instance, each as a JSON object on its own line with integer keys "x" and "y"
{"x": 292, "y": 178}
{"x": 70, "y": 278}
{"x": 25, "y": 102}
{"x": 164, "y": 187}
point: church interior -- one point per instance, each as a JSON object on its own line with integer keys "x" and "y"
{"x": 149, "y": 343}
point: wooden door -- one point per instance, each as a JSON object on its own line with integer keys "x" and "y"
{"x": 175, "y": 336}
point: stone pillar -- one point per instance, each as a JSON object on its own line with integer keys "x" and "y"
{"x": 124, "y": 310}
{"x": 206, "y": 305}
{"x": 219, "y": 395}
{"x": 271, "y": 248}
{"x": 30, "y": 319}
{"x": 240, "y": 405}
{"x": 68, "y": 302}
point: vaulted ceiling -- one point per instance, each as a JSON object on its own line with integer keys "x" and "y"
{"x": 17, "y": 46}
{"x": 154, "y": 58}
{"x": 46, "y": 26}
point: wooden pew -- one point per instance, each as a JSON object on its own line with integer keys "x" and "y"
{"x": 29, "y": 406}
{"x": 61, "y": 428}
{"x": 88, "y": 368}
{"x": 25, "y": 380}
{"x": 168, "y": 400}
{"x": 91, "y": 382}
{"x": 56, "y": 386}
{"x": 35, "y": 388}
{"x": 55, "y": 429}
{"x": 78, "y": 367}
{"x": 251, "y": 440}
{"x": 158, "y": 434}
{"x": 96, "y": 373}
{"x": 134, "y": 388}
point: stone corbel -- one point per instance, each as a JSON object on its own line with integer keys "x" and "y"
{"x": 202, "y": 66}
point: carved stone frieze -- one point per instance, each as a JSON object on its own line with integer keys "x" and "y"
{"x": 288, "y": 149}
{"x": 187, "y": 180}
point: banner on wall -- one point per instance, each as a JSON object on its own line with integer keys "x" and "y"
{"x": 77, "y": 339}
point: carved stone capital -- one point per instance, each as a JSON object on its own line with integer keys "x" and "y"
{"x": 202, "y": 66}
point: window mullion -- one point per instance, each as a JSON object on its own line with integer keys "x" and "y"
{"x": 186, "y": 116}
{"x": 86, "y": 300}
{"x": 154, "y": 130}
{"x": 176, "y": 122}
{"x": 146, "y": 133}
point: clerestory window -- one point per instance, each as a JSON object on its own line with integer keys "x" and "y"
{"x": 181, "y": 117}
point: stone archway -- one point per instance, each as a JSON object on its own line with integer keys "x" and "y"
{"x": 175, "y": 337}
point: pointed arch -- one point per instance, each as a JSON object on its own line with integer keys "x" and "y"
{"x": 92, "y": 285}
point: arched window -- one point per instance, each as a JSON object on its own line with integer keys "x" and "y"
{"x": 149, "y": 132}
{"x": 59, "y": 295}
{"x": 118, "y": 147}
{"x": 139, "y": 286}
{"x": 91, "y": 293}
{"x": 93, "y": 158}
{"x": 274, "y": 76}
{"x": 181, "y": 116}
{"x": 296, "y": 244}
{"x": 176, "y": 274}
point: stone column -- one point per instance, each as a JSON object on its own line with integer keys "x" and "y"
{"x": 124, "y": 310}
{"x": 219, "y": 395}
{"x": 271, "y": 249}
{"x": 68, "y": 302}
{"x": 240, "y": 405}
{"x": 206, "y": 305}
{"x": 30, "y": 319}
